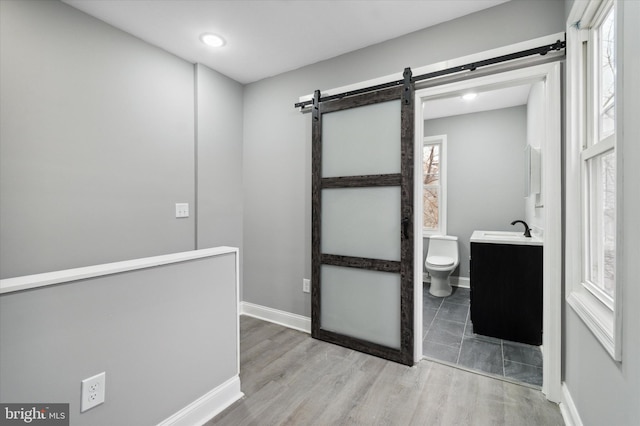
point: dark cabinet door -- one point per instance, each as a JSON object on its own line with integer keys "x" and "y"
{"x": 486, "y": 299}
{"x": 506, "y": 291}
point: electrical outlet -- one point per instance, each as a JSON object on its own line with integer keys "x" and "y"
{"x": 92, "y": 391}
{"x": 306, "y": 285}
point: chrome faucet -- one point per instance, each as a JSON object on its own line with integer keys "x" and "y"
{"x": 527, "y": 230}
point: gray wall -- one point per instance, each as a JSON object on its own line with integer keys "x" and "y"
{"x": 604, "y": 391}
{"x": 98, "y": 143}
{"x": 485, "y": 173}
{"x": 277, "y": 138}
{"x": 219, "y": 160}
{"x": 160, "y": 347}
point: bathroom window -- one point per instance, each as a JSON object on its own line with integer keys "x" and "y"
{"x": 593, "y": 160}
{"x": 434, "y": 185}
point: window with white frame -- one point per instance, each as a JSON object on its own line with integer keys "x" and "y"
{"x": 599, "y": 162}
{"x": 592, "y": 164}
{"x": 434, "y": 208}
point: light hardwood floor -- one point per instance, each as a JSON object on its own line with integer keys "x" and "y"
{"x": 291, "y": 379}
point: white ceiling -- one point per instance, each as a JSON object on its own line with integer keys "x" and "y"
{"x": 268, "y": 37}
{"x": 485, "y": 101}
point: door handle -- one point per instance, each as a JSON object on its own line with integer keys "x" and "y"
{"x": 405, "y": 228}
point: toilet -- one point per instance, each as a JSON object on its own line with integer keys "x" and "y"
{"x": 442, "y": 259}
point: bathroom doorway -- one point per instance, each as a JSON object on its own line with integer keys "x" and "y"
{"x": 444, "y": 323}
{"x": 482, "y": 139}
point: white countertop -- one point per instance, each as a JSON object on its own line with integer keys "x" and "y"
{"x": 505, "y": 237}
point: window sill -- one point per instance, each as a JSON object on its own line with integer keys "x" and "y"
{"x": 598, "y": 318}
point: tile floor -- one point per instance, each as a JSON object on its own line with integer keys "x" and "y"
{"x": 448, "y": 336}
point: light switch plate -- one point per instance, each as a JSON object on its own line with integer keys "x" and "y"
{"x": 182, "y": 210}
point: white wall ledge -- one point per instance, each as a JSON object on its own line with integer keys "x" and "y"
{"x": 27, "y": 282}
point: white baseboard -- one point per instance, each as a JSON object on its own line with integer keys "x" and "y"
{"x": 463, "y": 282}
{"x": 568, "y": 408}
{"x": 207, "y": 406}
{"x": 287, "y": 319}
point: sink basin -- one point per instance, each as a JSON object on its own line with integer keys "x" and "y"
{"x": 504, "y": 237}
{"x": 502, "y": 234}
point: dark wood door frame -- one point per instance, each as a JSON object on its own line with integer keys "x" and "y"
{"x": 404, "y": 180}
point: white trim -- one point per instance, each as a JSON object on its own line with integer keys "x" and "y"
{"x": 604, "y": 322}
{"x": 26, "y": 282}
{"x": 552, "y": 254}
{"x": 463, "y": 282}
{"x": 287, "y": 319}
{"x": 551, "y": 178}
{"x": 207, "y": 406}
{"x": 593, "y": 315}
{"x": 418, "y": 243}
{"x": 238, "y": 310}
{"x": 597, "y": 149}
{"x": 515, "y": 77}
{"x": 568, "y": 408}
{"x": 442, "y": 199}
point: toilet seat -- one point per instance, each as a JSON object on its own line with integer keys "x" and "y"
{"x": 440, "y": 261}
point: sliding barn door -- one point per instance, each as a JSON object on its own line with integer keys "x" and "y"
{"x": 362, "y": 222}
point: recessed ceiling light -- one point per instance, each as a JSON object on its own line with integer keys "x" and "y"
{"x": 212, "y": 40}
{"x": 469, "y": 96}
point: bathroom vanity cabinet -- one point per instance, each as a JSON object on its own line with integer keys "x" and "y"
{"x": 506, "y": 291}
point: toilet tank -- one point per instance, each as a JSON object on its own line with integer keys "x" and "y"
{"x": 443, "y": 245}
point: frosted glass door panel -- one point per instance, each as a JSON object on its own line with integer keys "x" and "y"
{"x": 361, "y": 141}
{"x": 361, "y": 222}
{"x": 361, "y": 304}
